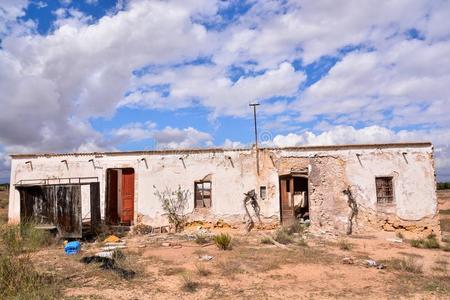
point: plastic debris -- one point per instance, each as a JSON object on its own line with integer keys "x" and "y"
{"x": 108, "y": 254}
{"x": 395, "y": 240}
{"x": 113, "y": 247}
{"x": 372, "y": 263}
{"x": 72, "y": 247}
{"x": 205, "y": 257}
{"x": 112, "y": 239}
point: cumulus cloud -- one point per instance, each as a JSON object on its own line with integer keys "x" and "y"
{"x": 391, "y": 71}
{"x": 166, "y": 138}
{"x": 211, "y": 87}
{"x": 372, "y": 134}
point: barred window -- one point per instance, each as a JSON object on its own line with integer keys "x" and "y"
{"x": 385, "y": 191}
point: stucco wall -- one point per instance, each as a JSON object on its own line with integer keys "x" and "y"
{"x": 233, "y": 172}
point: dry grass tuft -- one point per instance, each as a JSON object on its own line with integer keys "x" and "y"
{"x": 283, "y": 236}
{"x": 408, "y": 264}
{"x": 189, "y": 285}
{"x": 202, "y": 270}
{"x": 266, "y": 240}
{"x": 345, "y": 245}
{"x": 430, "y": 242}
{"x": 18, "y": 277}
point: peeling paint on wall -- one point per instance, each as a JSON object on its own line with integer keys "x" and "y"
{"x": 330, "y": 171}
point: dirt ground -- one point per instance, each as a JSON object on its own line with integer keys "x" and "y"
{"x": 252, "y": 269}
{"x": 167, "y": 266}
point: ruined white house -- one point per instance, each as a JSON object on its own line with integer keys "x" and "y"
{"x": 392, "y": 185}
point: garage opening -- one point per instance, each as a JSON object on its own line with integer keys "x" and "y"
{"x": 119, "y": 208}
{"x": 294, "y": 199}
{"x": 59, "y": 207}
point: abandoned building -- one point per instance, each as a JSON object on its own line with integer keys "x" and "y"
{"x": 363, "y": 188}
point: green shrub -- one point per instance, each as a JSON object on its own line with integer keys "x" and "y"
{"x": 283, "y": 236}
{"x": 430, "y": 242}
{"x": 223, "y": 241}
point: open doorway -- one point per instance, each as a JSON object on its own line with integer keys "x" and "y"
{"x": 294, "y": 199}
{"x": 119, "y": 196}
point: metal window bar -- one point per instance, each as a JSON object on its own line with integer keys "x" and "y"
{"x": 385, "y": 191}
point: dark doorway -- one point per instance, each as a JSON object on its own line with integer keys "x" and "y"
{"x": 294, "y": 199}
{"x": 119, "y": 196}
{"x": 53, "y": 205}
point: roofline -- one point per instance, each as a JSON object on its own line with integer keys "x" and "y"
{"x": 213, "y": 150}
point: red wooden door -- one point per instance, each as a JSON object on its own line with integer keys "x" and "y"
{"x": 287, "y": 207}
{"x": 127, "y": 212}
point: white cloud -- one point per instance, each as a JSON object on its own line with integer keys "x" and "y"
{"x": 211, "y": 87}
{"x": 167, "y": 138}
{"x": 10, "y": 10}
{"x": 57, "y": 82}
{"x": 229, "y": 144}
{"x": 373, "y": 134}
{"x": 135, "y": 131}
{"x": 175, "y": 138}
{"x": 409, "y": 79}
{"x": 83, "y": 69}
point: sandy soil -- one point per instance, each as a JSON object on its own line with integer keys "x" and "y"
{"x": 255, "y": 270}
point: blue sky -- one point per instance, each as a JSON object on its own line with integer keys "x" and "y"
{"x": 123, "y": 75}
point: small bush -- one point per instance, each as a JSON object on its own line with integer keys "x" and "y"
{"x": 201, "y": 238}
{"x": 283, "y": 236}
{"x": 24, "y": 237}
{"x": 266, "y": 240}
{"x": 189, "y": 285}
{"x": 409, "y": 264}
{"x": 430, "y": 242}
{"x": 202, "y": 270}
{"x": 345, "y": 245}
{"x": 174, "y": 204}
{"x": 19, "y": 280}
{"x": 297, "y": 227}
{"x": 223, "y": 241}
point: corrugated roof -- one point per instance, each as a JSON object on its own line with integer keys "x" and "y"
{"x": 213, "y": 150}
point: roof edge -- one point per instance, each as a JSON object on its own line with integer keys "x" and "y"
{"x": 206, "y": 150}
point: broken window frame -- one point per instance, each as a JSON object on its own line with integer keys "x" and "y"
{"x": 384, "y": 189}
{"x": 263, "y": 192}
{"x": 200, "y": 195}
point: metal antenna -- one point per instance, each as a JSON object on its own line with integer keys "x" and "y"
{"x": 254, "y": 105}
